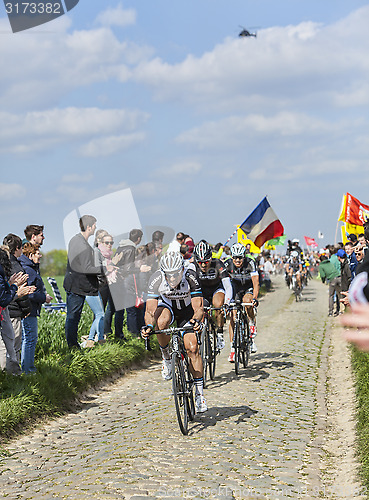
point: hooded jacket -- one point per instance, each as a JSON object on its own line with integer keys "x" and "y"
{"x": 328, "y": 271}
{"x": 127, "y": 252}
{"x": 19, "y": 307}
{"x": 38, "y": 297}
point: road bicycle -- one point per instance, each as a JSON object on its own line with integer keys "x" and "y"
{"x": 241, "y": 335}
{"x": 296, "y": 289}
{"x": 182, "y": 379}
{"x": 208, "y": 347}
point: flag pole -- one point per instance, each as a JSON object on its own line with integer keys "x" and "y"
{"x": 229, "y": 239}
{"x": 335, "y": 237}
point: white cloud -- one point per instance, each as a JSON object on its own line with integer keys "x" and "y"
{"x": 40, "y": 130}
{"x": 302, "y": 64}
{"x": 236, "y": 130}
{"x": 77, "y": 178}
{"x": 117, "y": 16}
{"x": 110, "y": 145}
{"x": 11, "y": 192}
{"x": 39, "y": 70}
{"x": 181, "y": 168}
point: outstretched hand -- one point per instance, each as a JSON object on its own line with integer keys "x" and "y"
{"x": 359, "y": 318}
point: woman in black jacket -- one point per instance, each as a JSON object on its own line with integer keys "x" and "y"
{"x": 19, "y": 307}
{"x": 11, "y": 286}
{"x": 30, "y": 262}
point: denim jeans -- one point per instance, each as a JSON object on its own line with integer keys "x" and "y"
{"x": 135, "y": 319}
{"x": 95, "y": 302}
{"x": 29, "y": 341}
{"x": 74, "y": 309}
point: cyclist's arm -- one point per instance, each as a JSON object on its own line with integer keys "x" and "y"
{"x": 151, "y": 306}
{"x": 255, "y": 286}
{"x": 198, "y": 308}
{"x": 228, "y": 290}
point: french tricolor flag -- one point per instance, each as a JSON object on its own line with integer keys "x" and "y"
{"x": 262, "y": 224}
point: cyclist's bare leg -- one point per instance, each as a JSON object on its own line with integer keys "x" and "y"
{"x": 298, "y": 279}
{"x": 218, "y": 301}
{"x": 163, "y": 317}
{"x": 232, "y": 318}
{"x": 192, "y": 348}
{"x": 247, "y": 298}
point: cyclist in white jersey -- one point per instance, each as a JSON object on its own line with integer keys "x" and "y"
{"x": 174, "y": 294}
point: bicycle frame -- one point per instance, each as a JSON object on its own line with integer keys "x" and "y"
{"x": 182, "y": 380}
{"x": 241, "y": 334}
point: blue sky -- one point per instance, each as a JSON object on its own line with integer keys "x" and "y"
{"x": 164, "y": 98}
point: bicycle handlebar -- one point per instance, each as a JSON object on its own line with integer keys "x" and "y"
{"x": 166, "y": 331}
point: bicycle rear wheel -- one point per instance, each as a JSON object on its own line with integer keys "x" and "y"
{"x": 204, "y": 350}
{"x": 180, "y": 392}
{"x": 212, "y": 350}
{"x": 237, "y": 347}
{"x": 246, "y": 344}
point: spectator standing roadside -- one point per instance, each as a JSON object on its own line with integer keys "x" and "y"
{"x": 328, "y": 272}
{"x": 19, "y": 307}
{"x": 30, "y": 260}
{"x": 124, "y": 294}
{"x": 351, "y": 257}
{"x": 345, "y": 270}
{"x": 268, "y": 270}
{"x": 34, "y": 234}
{"x": 10, "y": 287}
{"x": 175, "y": 245}
{"x": 81, "y": 277}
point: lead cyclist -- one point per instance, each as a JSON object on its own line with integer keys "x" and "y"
{"x": 174, "y": 294}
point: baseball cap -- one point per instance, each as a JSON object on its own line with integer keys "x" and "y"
{"x": 341, "y": 253}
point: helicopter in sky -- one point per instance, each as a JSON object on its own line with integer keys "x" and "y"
{"x": 244, "y": 33}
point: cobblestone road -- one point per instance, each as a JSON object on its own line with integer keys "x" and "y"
{"x": 253, "y": 442}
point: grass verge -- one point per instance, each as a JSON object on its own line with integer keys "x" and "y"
{"x": 360, "y": 364}
{"x": 61, "y": 374}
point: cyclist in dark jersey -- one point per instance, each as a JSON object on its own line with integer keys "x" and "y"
{"x": 174, "y": 294}
{"x": 245, "y": 282}
{"x": 294, "y": 266}
{"x": 215, "y": 284}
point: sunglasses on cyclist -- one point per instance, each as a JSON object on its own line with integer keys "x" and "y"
{"x": 237, "y": 258}
{"x": 174, "y": 275}
{"x": 204, "y": 261}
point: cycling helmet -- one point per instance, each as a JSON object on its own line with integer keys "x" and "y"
{"x": 202, "y": 251}
{"x": 294, "y": 254}
{"x": 238, "y": 250}
{"x": 171, "y": 262}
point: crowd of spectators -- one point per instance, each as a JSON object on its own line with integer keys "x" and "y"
{"x": 113, "y": 282}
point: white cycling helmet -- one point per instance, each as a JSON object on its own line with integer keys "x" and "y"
{"x": 294, "y": 254}
{"x": 171, "y": 262}
{"x": 238, "y": 250}
{"x": 202, "y": 251}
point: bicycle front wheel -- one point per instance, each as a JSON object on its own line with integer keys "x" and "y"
{"x": 180, "y": 392}
{"x": 237, "y": 347}
{"x": 189, "y": 386}
{"x": 246, "y": 344}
